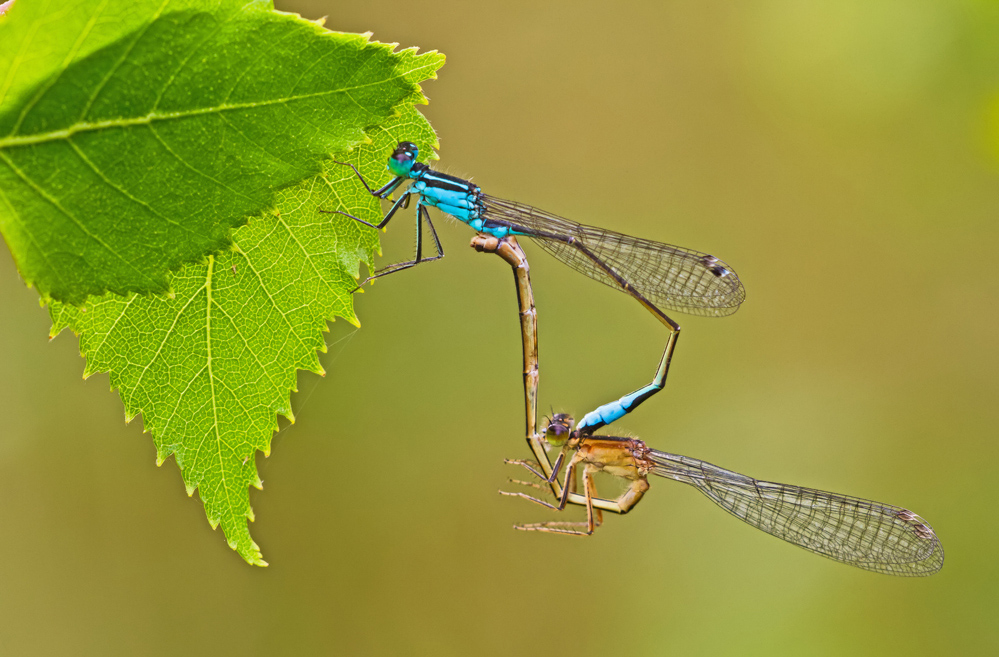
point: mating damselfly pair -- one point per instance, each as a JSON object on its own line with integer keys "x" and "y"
{"x": 863, "y": 533}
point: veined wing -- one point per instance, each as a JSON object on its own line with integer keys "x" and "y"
{"x": 668, "y": 276}
{"x": 870, "y": 535}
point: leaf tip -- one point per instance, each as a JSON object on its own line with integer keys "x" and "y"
{"x": 255, "y": 559}
{"x": 250, "y": 553}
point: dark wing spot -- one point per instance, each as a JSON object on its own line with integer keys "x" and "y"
{"x": 711, "y": 263}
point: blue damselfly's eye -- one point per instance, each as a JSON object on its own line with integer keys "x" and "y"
{"x": 403, "y": 158}
{"x": 406, "y": 151}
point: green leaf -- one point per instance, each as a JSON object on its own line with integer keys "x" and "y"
{"x": 135, "y": 134}
{"x": 210, "y": 367}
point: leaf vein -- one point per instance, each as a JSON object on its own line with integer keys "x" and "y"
{"x": 124, "y": 193}
{"x": 75, "y": 48}
{"x": 167, "y": 334}
{"x": 55, "y": 203}
{"x": 180, "y": 67}
{"x": 31, "y": 237}
{"x": 189, "y": 166}
{"x": 121, "y": 60}
{"x": 25, "y": 47}
{"x": 96, "y": 350}
{"x": 152, "y": 117}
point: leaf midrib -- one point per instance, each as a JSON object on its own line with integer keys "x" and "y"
{"x": 148, "y": 119}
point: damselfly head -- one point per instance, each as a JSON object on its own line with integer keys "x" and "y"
{"x": 403, "y": 157}
{"x": 559, "y": 429}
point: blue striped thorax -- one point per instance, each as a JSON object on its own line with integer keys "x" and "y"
{"x": 449, "y": 194}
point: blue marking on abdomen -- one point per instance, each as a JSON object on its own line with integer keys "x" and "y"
{"x": 603, "y": 415}
{"x": 614, "y": 410}
{"x": 496, "y": 231}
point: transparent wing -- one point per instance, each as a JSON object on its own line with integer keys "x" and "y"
{"x": 668, "y": 276}
{"x": 870, "y": 535}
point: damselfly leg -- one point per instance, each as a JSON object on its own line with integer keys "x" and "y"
{"x": 422, "y": 217}
{"x": 594, "y": 454}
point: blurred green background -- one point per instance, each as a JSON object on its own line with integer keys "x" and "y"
{"x": 842, "y": 155}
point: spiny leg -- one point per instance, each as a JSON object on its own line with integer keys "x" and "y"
{"x": 594, "y": 518}
{"x": 401, "y": 202}
{"x": 564, "y": 528}
{"x": 528, "y": 484}
{"x": 530, "y": 467}
{"x": 567, "y": 489}
{"x": 421, "y": 215}
{"x": 525, "y": 496}
{"x": 382, "y": 191}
